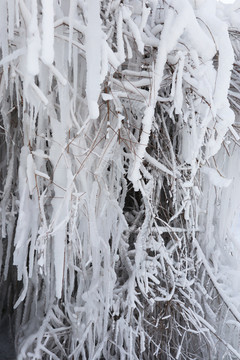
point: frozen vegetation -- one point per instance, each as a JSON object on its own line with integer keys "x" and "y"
{"x": 119, "y": 179}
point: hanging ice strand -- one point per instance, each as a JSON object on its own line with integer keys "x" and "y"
{"x": 93, "y": 56}
{"x": 47, "y": 32}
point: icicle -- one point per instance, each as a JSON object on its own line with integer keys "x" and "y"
{"x": 3, "y": 37}
{"x": 24, "y": 290}
{"x": 60, "y": 210}
{"x": 93, "y": 56}
{"x": 31, "y": 174}
{"x": 6, "y": 194}
{"x": 120, "y": 43}
{"x": 33, "y": 38}
{"x": 72, "y": 12}
{"x": 47, "y": 31}
{"x": 178, "y": 99}
{"x": 11, "y": 15}
{"x": 135, "y": 31}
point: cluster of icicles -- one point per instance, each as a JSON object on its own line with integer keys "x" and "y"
{"x": 115, "y": 121}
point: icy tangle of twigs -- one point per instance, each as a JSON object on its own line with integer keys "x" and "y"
{"x": 119, "y": 178}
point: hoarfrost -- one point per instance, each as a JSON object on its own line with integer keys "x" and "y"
{"x": 120, "y": 205}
